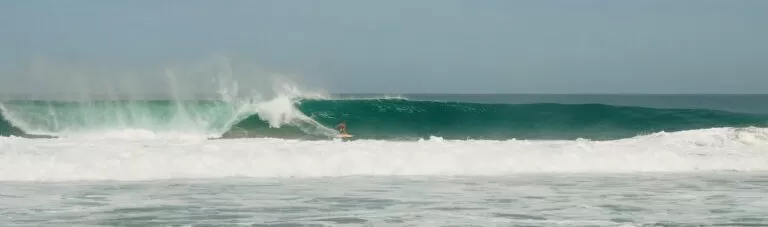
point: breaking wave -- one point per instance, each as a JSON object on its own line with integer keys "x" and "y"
{"x": 296, "y": 117}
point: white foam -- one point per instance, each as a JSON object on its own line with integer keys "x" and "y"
{"x": 151, "y": 158}
{"x": 382, "y": 97}
{"x": 136, "y": 135}
{"x": 282, "y": 110}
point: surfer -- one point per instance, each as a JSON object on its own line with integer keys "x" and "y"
{"x": 342, "y": 127}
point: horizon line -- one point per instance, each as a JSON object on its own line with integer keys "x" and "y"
{"x": 377, "y": 93}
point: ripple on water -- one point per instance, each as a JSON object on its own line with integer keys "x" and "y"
{"x": 518, "y": 216}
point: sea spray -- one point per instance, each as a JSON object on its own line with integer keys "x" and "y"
{"x": 104, "y": 106}
{"x": 207, "y": 118}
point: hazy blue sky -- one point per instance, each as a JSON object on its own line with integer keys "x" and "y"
{"x": 472, "y": 46}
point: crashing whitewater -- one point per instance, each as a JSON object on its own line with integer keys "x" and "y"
{"x": 132, "y": 156}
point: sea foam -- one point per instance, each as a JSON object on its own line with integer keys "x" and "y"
{"x": 145, "y": 157}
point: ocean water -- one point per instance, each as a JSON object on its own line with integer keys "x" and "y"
{"x": 415, "y": 160}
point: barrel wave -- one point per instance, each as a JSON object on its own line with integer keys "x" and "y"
{"x": 403, "y": 118}
{"x": 387, "y": 119}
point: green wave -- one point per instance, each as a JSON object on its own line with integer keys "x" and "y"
{"x": 366, "y": 119}
{"x": 403, "y": 119}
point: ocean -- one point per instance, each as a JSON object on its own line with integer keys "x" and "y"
{"x": 414, "y": 160}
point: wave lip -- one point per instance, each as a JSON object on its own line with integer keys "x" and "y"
{"x": 73, "y": 159}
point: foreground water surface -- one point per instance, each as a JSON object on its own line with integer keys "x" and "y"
{"x": 648, "y": 199}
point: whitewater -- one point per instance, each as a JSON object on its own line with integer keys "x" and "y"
{"x": 135, "y": 156}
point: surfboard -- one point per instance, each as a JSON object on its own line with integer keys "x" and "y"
{"x": 343, "y": 136}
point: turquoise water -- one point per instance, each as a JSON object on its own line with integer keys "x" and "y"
{"x": 497, "y": 117}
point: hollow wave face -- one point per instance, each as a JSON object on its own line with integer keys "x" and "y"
{"x": 398, "y": 119}
{"x": 110, "y": 158}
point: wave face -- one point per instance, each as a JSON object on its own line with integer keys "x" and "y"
{"x": 366, "y": 118}
{"x": 59, "y": 118}
{"x": 401, "y": 119}
{"x": 105, "y": 158}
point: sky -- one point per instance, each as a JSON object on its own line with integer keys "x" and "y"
{"x": 397, "y": 46}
